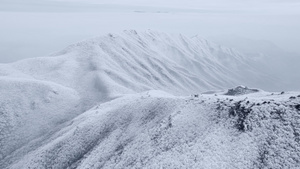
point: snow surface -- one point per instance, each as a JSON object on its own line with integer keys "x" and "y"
{"x": 105, "y": 103}
{"x": 265, "y": 51}
{"x": 152, "y": 130}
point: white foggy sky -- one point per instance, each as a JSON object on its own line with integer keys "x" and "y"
{"x": 31, "y": 28}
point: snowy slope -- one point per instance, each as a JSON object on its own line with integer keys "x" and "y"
{"x": 138, "y": 61}
{"x": 280, "y": 63}
{"x": 30, "y": 108}
{"x": 157, "y": 130}
{"x": 40, "y": 97}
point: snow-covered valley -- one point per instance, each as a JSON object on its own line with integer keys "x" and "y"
{"x": 133, "y": 100}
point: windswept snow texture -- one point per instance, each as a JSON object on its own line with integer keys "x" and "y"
{"x": 152, "y": 130}
{"x": 88, "y": 107}
{"x": 138, "y": 61}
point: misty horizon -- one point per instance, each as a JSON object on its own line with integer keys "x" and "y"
{"x": 38, "y": 28}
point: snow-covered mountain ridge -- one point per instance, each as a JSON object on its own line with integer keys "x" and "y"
{"x": 46, "y": 120}
{"x": 134, "y": 62}
{"x": 157, "y": 130}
